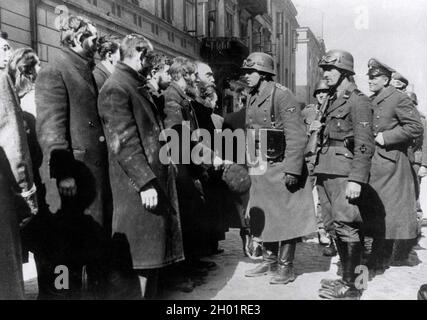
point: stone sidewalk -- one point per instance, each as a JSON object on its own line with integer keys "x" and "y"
{"x": 227, "y": 282}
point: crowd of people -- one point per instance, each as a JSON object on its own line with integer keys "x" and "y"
{"x": 83, "y": 183}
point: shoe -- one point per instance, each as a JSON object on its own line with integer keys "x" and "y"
{"x": 187, "y": 285}
{"x": 200, "y": 264}
{"x": 285, "y": 270}
{"x": 322, "y": 236}
{"x": 330, "y": 250}
{"x": 327, "y": 283}
{"x": 285, "y": 274}
{"x": 422, "y": 293}
{"x": 262, "y": 269}
{"x": 256, "y": 251}
{"x": 340, "y": 291}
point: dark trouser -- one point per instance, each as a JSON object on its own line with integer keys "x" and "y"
{"x": 343, "y": 220}
{"x": 73, "y": 240}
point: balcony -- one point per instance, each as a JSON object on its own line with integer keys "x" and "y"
{"x": 254, "y": 7}
{"x": 223, "y": 49}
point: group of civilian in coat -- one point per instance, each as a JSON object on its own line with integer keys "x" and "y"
{"x": 84, "y": 160}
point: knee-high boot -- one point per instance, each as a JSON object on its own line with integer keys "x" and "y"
{"x": 269, "y": 261}
{"x": 285, "y": 270}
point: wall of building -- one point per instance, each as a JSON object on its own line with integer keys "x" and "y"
{"x": 166, "y": 37}
{"x": 309, "y": 52}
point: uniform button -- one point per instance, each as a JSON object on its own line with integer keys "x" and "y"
{"x": 376, "y": 126}
{"x": 375, "y": 134}
{"x": 98, "y": 163}
{"x": 378, "y": 117}
{"x": 101, "y": 139}
{"x": 91, "y": 124}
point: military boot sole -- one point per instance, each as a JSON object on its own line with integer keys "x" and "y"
{"x": 283, "y": 281}
{"x": 253, "y": 274}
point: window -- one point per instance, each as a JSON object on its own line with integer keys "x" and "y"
{"x": 167, "y": 10}
{"x": 287, "y": 78}
{"x": 190, "y": 11}
{"x": 93, "y": 2}
{"x": 140, "y": 21}
{"x": 171, "y": 36}
{"x": 287, "y": 34}
{"x": 279, "y": 26}
{"x": 136, "y": 2}
{"x": 116, "y": 10}
{"x": 184, "y": 43}
{"x": 228, "y": 24}
{"x": 135, "y": 19}
{"x": 154, "y": 28}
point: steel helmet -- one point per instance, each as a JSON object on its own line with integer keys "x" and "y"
{"x": 259, "y": 61}
{"x": 339, "y": 59}
{"x": 320, "y": 86}
{"x": 413, "y": 97}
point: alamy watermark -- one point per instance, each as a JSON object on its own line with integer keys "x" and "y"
{"x": 246, "y": 147}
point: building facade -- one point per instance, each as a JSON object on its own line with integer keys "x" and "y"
{"x": 309, "y": 52}
{"x": 220, "y": 32}
{"x": 169, "y": 24}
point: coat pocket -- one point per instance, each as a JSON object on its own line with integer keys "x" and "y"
{"x": 391, "y": 155}
{"x": 343, "y": 152}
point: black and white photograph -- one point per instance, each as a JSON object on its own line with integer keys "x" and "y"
{"x": 213, "y": 150}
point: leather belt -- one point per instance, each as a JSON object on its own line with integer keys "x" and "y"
{"x": 335, "y": 143}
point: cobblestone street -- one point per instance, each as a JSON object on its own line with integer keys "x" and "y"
{"x": 228, "y": 282}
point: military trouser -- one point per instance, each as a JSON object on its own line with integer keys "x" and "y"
{"x": 343, "y": 221}
{"x": 340, "y": 217}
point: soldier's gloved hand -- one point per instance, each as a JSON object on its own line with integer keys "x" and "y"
{"x": 149, "y": 197}
{"x": 379, "y": 139}
{"x": 422, "y": 172}
{"x": 315, "y": 125}
{"x": 291, "y": 180}
{"x": 353, "y": 190}
{"x": 67, "y": 187}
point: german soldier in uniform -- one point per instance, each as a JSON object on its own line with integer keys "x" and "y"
{"x": 342, "y": 167}
{"x": 396, "y": 124}
{"x": 282, "y": 195}
{"x": 309, "y": 113}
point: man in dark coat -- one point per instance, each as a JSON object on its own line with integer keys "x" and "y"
{"x": 179, "y": 109}
{"x": 75, "y": 154}
{"x": 108, "y": 51}
{"x": 280, "y": 193}
{"x": 146, "y": 213}
{"x": 397, "y": 124}
{"x": 158, "y": 78}
{"x": 342, "y": 168}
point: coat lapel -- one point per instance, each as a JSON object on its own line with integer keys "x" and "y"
{"x": 82, "y": 67}
{"x": 377, "y": 99}
{"x": 342, "y": 99}
{"x": 264, "y": 94}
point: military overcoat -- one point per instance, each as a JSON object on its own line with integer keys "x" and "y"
{"x": 285, "y": 213}
{"x": 392, "y": 175}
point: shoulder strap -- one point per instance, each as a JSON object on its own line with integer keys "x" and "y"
{"x": 273, "y": 111}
